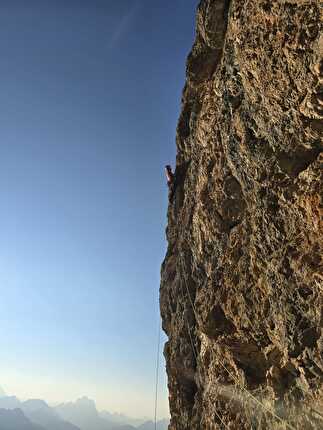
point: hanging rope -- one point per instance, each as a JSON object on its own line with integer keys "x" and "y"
{"x": 157, "y": 373}
{"x": 236, "y": 381}
{"x": 194, "y": 349}
{"x": 188, "y": 327}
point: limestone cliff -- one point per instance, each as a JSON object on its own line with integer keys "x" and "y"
{"x": 241, "y": 283}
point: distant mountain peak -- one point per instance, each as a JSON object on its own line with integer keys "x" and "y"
{"x": 15, "y": 419}
{"x": 86, "y": 400}
{"x": 34, "y": 404}
{"x": 82, "y": 414}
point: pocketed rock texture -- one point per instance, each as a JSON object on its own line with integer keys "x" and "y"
{"x": 241, "y": 287}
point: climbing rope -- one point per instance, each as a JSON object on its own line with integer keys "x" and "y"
{"x": 194, "y": 349}
{"x": 157, "y": 374}
{"x": 237, "y": 382}
{"x": 188, "y": 327}
{"x": 221, "y": 420}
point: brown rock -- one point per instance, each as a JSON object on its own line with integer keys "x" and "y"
{"x": 241, "y": 284}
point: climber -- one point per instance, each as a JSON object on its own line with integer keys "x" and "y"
{"x": 169, "y": 175}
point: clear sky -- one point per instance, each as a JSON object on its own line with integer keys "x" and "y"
{"x": 89, "y": 100}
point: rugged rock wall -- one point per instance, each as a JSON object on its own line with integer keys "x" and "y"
{"x": 241, "y": 282}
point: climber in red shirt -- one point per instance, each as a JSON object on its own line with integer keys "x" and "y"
{"x": 169, "y": 175}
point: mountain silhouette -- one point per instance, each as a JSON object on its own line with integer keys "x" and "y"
{"x": 149, "y": 425}
{"x": 122, "y": 419}
{"x": 16, "y": 420}
{"x": 83, "y": 414}
{"x": 9, "y": 402}
{"x": 37, "y": 412}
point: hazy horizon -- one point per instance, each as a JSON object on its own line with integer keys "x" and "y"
{"x": 90, "y": 98}
{"x": 81, "y": 414}
{"x": 54, "y": 403}
{"x": 4, "y": 395}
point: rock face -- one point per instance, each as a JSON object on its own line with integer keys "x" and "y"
{"x": 241, "y": 285}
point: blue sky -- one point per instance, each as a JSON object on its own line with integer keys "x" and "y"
{"x": 89, "y": 100}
